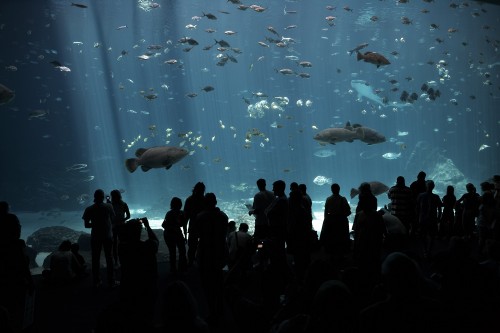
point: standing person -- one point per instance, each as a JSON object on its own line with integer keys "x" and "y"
{"x": 174, "y": 224}
{"x": 98, "y": 217}
{"x": 335, "y": 230}
{"x": 307, "y": 201}
{"x": 417, "y": 187}
{"x": 122, "y": 214}
{"x": 277, "y": 214}
{"x": 429, "y": 207}
{"x": 277, "y": 274}
{"x": 470, "y": 202}
{"x": 299, "y": 233}
{"x": 496, "y": 196}
{"x": 212, "y": 254}
{"x": 16, "y": 282}
{"x": 486, "y": 216}
{"x": 402, "y": 205}
{"x": 369, "y": 229}
{"x": 9, "y": 225}
{"x": 138, "y": 288}
{"x": 447, "y": 223}
{"x": 261, "y": 201}
{"x": 192, "y": 207}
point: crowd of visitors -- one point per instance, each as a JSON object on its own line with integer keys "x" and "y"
{"x": 423, "y": 263}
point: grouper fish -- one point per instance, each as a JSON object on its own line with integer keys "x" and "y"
{"x": 6, "y": 95}
{"x": 155, "y": 157}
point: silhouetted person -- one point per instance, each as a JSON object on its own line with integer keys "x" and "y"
{"x": 75, "y": 249}
{"x": 64, "y": 266}
{"x": 335, "y": 230}
{"x": 261, "y": 201}
{"x": 429, "y": 208}
{"x": 240, "y": 245}
{"x": 366, "y": 200}
{"x": 277, "y": 214}
{"x": 402, "y": 205}
{"x": 470, "y": 205}
{"x": 10, "y": 226}
{"x": 486, "y": 216}
{"x": 179, "y": 311}
{"x": 277, "y": 273}
{"x": 369, "y": 229}
{"x": 447, "y": 223}
{"x": 99, "y": 218}
{"x": 404, "y": 309}
{"x": 299, "y": 233}
{"x": 192, "y": 207}
{"x": 16, "y": 282}
{"x": 417, "y": 187}
{"x": 174, "y": 224}
{"x": 212, "y": 254}
{"x": 138, "y": 286}
{"x": 122, "y": 214}
{"x": 496, "y": 195}
{"x": 307, "y": 202}
{"x": 333, "y": 309}
{"x": 293, "y": 187}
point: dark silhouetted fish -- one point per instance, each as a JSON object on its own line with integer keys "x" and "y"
{"x": 6, "y": 95}
{"x": 376, "y": 187}
{"x": 373, "y": 58}
{"x": 156, "y": 157}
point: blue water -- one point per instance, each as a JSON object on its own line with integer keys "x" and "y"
{"x": 92, "y": 114}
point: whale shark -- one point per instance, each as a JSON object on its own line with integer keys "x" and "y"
{"x": 365, "y": 90}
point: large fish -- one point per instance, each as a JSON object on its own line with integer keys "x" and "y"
{"x": 365, "y": 90}
{"x": 373, "y": 58}
{"x": 6, "y": 95}
{"x": 376, "y": 187}
{"x": 155, "y": 157}
{"x": 335, "y": 135}
{"x": 369, "y": 135}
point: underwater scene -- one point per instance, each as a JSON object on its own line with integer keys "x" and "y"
{"x": 150, "y": 97}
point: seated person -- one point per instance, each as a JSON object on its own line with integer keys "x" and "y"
{"x": 64, "y": 265}
{"x": 75, "y": 248}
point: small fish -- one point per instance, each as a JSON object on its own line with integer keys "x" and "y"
{"x": 121, "y": 27}
{"x": 222, "y": 43}
{"x": 483, "y": 147}
{"x": 285, "y": 71}
{"x": 208, "y": 88}
{"x": 78, "y": 5}
{"x": 209, "y": 16}
{"x": 75, "y": 167}
{"x": 357, "y": 48}
{"x": 391, "y": 156}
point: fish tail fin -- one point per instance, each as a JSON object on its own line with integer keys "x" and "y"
{"x": 131, "y": 164}
{"x": 354, "y": 192}
{"x": 359, "y": 56}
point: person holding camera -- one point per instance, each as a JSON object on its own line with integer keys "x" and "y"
{"x": 139, "y": 267}
{"x": 98, "y": 217}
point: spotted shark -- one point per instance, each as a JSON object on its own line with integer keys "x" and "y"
{"x": 365, "y": 90}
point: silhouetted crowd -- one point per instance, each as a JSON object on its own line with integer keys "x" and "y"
{"x": 420, "y": 264}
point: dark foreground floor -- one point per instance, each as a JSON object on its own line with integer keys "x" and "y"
{"x": 75, "y": 308}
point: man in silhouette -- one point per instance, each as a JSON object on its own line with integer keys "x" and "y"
{"x": 98, "y": 217}
{"x": 261, "y": 201}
